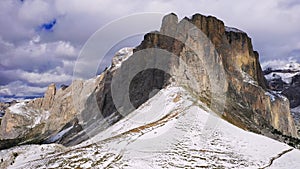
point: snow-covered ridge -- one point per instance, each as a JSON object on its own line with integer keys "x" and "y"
{"x": 182, "y": 135}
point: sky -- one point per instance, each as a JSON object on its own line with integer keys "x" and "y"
{"x": 40, "y": 40}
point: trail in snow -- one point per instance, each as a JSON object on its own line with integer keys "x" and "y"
{"x": 277, "y": 157}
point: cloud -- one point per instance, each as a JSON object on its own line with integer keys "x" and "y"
{"x": 40, "y": 39}
{"x": 35, "y": 65}
{"x": 34, "y": 56}
{"x": 289, "y": 3}
{"x": 53, "y": 76}
{"x": 20, "y": 89}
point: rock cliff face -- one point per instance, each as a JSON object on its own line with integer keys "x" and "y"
{"x": 49, "y": 97}
{"x": 248, "y": 104}
{"x": 38, "y": 120}
{"x": 21, "y": 119}
{"x": 215, "y": 63}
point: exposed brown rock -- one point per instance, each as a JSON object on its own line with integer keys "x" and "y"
{"x": 247, "y": 103}
{"x": 49, "y": 97}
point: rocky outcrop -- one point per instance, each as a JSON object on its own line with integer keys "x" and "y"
{"x": 38, "y": 120}
{"x": 292, "y": 92}
{"x": 49, "y": 97}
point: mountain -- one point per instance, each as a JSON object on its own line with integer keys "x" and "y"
{"x": 165, "y": 103}
{"x": 248, "y": 103}
{"x": 175, "y": 136}
{"x": 285, "y": 80}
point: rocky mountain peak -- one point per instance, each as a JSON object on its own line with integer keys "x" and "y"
{"x": 169, "y": 23}
{"x": 211, "y": 26}
{"x": 49, "y": 97}
{"x": 232, "y": 42}
{"x": 247, "y": 104}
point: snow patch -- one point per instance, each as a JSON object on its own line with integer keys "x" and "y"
{"x": 121, "y": 56}
{"x": 59, "y": 135}
{"x": 36, "y": 116}
{"x": 273, "y": 95}
{"x": 231, "y": 29}
{"x": 248, "y": 79}
{"x": 17, "y": 108}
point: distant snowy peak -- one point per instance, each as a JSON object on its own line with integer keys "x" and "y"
{"x": 286, "y": 77}
{"x": 284, "y": 70}
{"x": 121, "y": 56}
{"x": 231, "y": 29}
{"x": 291, "y": 65}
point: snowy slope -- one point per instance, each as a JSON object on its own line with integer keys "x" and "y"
{"x": 171, "y": 130}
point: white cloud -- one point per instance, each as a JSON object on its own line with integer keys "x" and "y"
{"x": 65, "y": 49}
{"x": 43, "y": 78}
{"x": 56, "y": 75}
{"x": 36, "y": 64}
{"x": 36, "y": 12}
{"x": 29, "y": 55}
{"x": 21, "y": 89}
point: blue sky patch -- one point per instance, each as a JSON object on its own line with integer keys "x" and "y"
{"x": 48, "y": 26}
